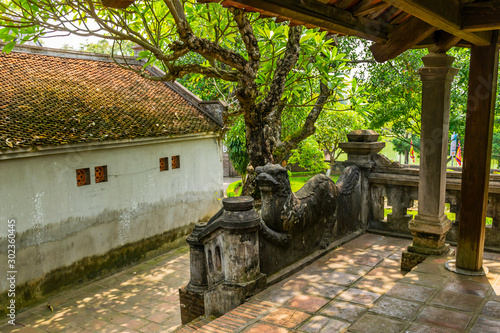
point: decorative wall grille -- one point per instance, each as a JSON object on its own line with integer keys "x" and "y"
{"x": 176, "y": 162}
{"x": 164, "y": 164}
{"x": 101, "y": 174}
{"x": 82, "y": 177}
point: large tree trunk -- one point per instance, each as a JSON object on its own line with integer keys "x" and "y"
{"x": 261, "y": 142}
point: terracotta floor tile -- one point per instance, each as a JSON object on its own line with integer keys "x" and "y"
{"x": 313, "y": 276}
{"x": 286, "y": 317}
{"x": 366, "y": 240}
{"x": 265, "y": 328}
{"x": 344, "y": 310}
{"x": 119, "y": 318}
{"x": 385, "y": 247}
{"x": 320, "y": 324}
{"x": 411, "y": 292}
{"x": 152, "y": 328}
{"x": 391, "y": 241}
{"x": 421, "y": 328}
{"x": 368, "y": 260}
{"x": 457, "y": 301}
{"x": 276, "y": 295}
{"x": 378, "y": 251}
{"x": 371, "y": 323}
{"x": 468, "y": 287}
{"x": 349, "y": 268}
{"x": 397, "y": 256}
{"x": 492, "y": 309}
{"x": 486, "y": 325}
{"x": 359, "y": 296}
{"x": 148, "y": 299}
{"x": 445, "y": 318}
{"x": 385, "y": 273}
{"x": 159, "y": 317}
{"x": 374, "y": 285}
{"x": 390, "y": 263}
{"x": 135, "y": 323}
{"x": 327, "y": 290}
{"x": 393, "y": 307}
{"x": 343, "y": 279}
{"x": 432, "y": 268}
{"x": 294, "y": 284}
{"x": 425, "y": 279}
{"x": 307, "y": 303}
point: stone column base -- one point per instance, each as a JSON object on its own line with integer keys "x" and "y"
{"x": 429, "y": 237}
{"x": 411, "y": 259}
{"x": 192, "y": 305}
{"x": 429, "y": 251}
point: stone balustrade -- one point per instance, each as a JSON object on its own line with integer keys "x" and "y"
{"x": 238, "y": 249}
{"x": 396, "y": 188}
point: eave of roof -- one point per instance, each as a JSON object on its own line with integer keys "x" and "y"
{"x": 394, "y": 25}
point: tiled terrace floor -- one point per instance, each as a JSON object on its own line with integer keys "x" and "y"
{"x": 356, "y": 288}
{"x": 142, "y": 298}
{"x": 359, "y": 288}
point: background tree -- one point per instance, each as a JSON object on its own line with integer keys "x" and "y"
{"x": 269, "y": 67}
{"x": 309, "y": 156}
{"x": 403, "y": 145}
{"x": 103, "y": 46}
{"x": 235, "y": 142}
{"x": 332, "y": 129}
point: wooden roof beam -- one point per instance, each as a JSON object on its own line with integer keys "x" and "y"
{"x": 443, "y": 14}
{"x": 321, "y": 15}
{"x": 481, "y": 16}
{"x": 405, "y": 37}
{"x": 445, "y": 41}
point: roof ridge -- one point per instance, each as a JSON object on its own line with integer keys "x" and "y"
{"x": 72, "y": 54}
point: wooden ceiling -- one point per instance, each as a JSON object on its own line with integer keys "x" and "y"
{"x": 394, "y": 25}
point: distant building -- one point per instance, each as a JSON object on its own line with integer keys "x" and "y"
{"x": 98, "y": 166}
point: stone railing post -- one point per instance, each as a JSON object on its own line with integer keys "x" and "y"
{"x": 361, "y": 145}
{"x": 192, "y": 296}
{"x": 399, "y": 198}
{"x": 232, "y": 251}
{"x": 225, "y": 261}
{"x": 198, "y": 267}
{"x": 430, "y": 226}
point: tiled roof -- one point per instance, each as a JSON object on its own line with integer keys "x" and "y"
{"x": 54, "y": 100}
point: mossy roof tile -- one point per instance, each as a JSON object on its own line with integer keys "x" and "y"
{"x": 50, "y": 100}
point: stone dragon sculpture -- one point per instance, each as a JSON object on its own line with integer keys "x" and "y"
{"x": 285, "y": 213}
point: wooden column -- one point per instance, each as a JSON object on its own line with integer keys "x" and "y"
{"x": 477, "y": 154}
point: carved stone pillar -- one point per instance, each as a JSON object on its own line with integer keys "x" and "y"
{"x": 192, "y": 296}
{"x": 198, "y": 267}
{"x": 430, "y": 226}
{"x": 361, "y": 147}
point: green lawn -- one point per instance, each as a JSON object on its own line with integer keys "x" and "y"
{"x": 296, "y": 182}
{"x": 449, "y": 214}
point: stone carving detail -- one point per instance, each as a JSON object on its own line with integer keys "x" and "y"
{"x": 295, "y": 224}
{"x": 285, "y": 213}
{"x": 382, "y": 161}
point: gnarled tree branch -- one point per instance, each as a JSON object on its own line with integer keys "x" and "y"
{"x": 283, "y": 67}
{"x": 202, "y": 46}
{"x": 284, "y": 147}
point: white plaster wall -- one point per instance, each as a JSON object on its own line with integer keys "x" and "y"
{"x": 59, "y": 223}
